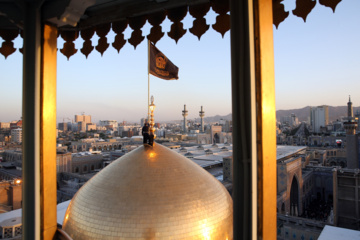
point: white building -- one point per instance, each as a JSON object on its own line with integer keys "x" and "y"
{"x": 16, "y": 135}
{"x": 135, "y": 128}
{"x": 113, "y": 124}
{"x": 319, "y": 117}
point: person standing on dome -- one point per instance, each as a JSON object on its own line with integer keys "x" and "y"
{"x": 146, "y": 133}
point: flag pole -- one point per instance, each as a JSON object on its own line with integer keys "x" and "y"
{"x": 148, "y": 81}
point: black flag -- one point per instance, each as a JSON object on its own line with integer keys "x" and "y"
{"x": 161, "y": 66}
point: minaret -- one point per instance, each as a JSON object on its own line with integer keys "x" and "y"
{"x": 202, "y": 114}
{"x": 350, "y": 109}
{"x": 352, "y": 148}
{"x": 185, "y": 113}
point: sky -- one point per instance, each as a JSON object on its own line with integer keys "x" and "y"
{"x": 316, "y": 63}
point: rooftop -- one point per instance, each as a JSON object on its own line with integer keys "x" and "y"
{"x": 336, "y": 233}
{"x": 283, "y": 151}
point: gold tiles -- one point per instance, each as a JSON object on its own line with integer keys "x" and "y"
{"x": 151, "y": 193}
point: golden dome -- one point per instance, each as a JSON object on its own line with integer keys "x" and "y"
{"x": 151, "y": 193}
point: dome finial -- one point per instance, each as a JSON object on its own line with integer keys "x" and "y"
{"x": 152, "y": 122}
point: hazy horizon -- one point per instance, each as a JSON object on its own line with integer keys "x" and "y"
{"x": 316, "y": 63}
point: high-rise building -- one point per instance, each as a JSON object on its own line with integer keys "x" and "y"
{"x": 82, "y": 122}
{"x": 294, "y": 120}
{"x": 291, "y": 120}
{"x": 16, "y": 135}
{"x": 109, "y": 124}
{"x": 319, "y": 117}
{"x": 81, "y": 126}
{"x": 72, "y": 126}
{"x": 63, "y": 126}
{"x": 83, "y": 118}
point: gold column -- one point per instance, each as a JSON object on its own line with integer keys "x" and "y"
{"x": 48, "y": 133}
{"x": 266, "y": 119}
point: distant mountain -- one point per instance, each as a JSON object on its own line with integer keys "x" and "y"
{"x": 303, "y": 113}
{"x": 217, "y": 118}
{"x": 211, "y": 119}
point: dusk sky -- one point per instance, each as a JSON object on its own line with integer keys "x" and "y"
{"x": 316, "y": 63}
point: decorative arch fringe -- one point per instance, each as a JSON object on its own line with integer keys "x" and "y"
{"x": 176, "y": 15}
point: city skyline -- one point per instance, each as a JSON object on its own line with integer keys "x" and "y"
{"x": 312, "y": 67}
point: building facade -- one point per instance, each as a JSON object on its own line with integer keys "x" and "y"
{"x": 81, "y": 126}
{"x": 63, "y": 162}
{"x": 109, "y": 124}
{"x": 319, "y": 117}
{"x": 347, "y": 198}
{"x": 10, "y": 195}
{"x": 16, "y": 135}
{"x": 16, "y": 124}
{"x": 86, "y": 162}
{"x": 4, "y": 125}
{"x": 63, "y": 126}
{"x": 83, "y": 118}
{"x": 90, "y": 127}
{"x": 291, "y": 120}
